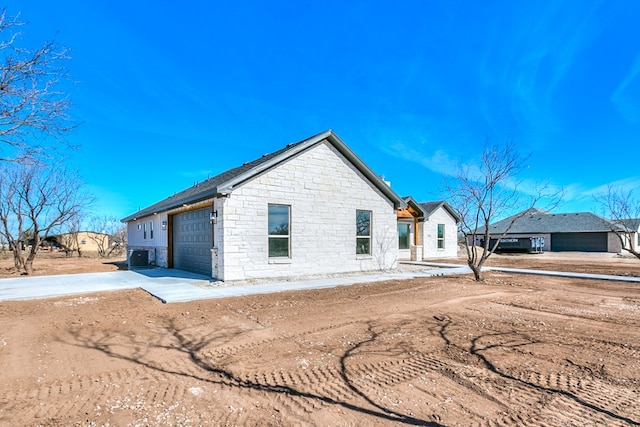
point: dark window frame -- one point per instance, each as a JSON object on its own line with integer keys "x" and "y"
{"x": 364, "y": 219}
{"x": 407, "y": 238}
{"x": 274, "y": 247}
{"x": 440, "y": 236}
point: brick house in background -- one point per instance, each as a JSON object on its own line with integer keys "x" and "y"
{"x": 313, "y": 207}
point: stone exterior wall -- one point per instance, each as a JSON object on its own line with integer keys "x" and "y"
{"x": 324, "y": 191}
{"x": 158, "y": 256}
{"x": 430, "y": 235}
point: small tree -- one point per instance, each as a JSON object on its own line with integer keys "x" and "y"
{"x": 33, "y": 109}
{"x": 108, "y": 235}
{"x": 622, "y": 209}
{"x": 484, "y": 192}
{"x": 385, "y": 244}
{"x": 36, "y": 199}
{"x": 119, "y": 239}
{"x": 68, "y": 239}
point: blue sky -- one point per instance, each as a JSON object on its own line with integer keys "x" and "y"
{"x": 170, "y": 93}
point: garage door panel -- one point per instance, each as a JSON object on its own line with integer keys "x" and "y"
{"x": 192, "y": 241}
{"x": 581, "y": 242}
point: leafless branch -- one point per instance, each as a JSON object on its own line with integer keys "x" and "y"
{"x": 36, "y": 199}
{"x": 33, "y": 108}
{"x": 484, "y": 192}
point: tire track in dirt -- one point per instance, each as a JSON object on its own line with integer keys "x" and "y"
{"x": 370, "y": 378}
{"x": 374, "y": 379}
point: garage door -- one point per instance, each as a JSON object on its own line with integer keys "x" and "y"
{"x": 192, "y": 241}
{"x": 582, "y": 242}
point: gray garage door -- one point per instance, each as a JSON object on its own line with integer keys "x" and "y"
{"x": 582, "y": 242}
{"x": 192, "y": 241}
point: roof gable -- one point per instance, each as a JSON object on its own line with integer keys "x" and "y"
{"x": 430, "y": 207}
{"x": 413, "y": 208}
{"x": 225, "y": 182}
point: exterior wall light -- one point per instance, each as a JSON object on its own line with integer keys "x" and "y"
{"x": 164, "y": 225}
{"x": 213, "y": 217}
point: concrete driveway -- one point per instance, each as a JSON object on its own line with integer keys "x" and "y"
{"x": 171, "y": 285}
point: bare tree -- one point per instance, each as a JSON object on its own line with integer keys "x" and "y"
{"x": 622, "y": 209}
{"x": 68, "y": 239}
{"x": 108, "y": 235}
{"x": 37, "y": 199}
{"x": 119, "y": 239}
{"x": 33, "y": 109}
{"x": 385, "y": 246}
{"x": 484, "y": 192}
{"x": 12, "y": 226}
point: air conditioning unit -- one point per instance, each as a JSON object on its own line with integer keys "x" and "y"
{"x": 139, "y": 258}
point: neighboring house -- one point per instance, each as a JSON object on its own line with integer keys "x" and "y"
{"x": 427, "y": 230}
{"x": 631, "y": 229}
{"x": 580, "y": 231}
{"x": 313, "y": 207}
{"x": 85, "y": 241}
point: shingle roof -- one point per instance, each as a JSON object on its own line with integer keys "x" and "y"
{"x": 430, "y": 207}
{"x": 225, "y": 182}
{"x": 632, "y": 224}
{"x": 536, "y": 221}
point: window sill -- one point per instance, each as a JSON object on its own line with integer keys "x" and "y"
{"x": 279, "y": 260}
{"x": 364, "y": 257}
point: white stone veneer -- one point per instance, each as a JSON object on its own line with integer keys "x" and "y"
{"x": 324, "y": 191}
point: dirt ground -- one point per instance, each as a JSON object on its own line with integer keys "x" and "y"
{"x": 48, "y": 263}
{"x": 443, "y": 351}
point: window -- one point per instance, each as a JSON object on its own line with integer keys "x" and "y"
{"x": 279, "y": 219}
{"x": 144, "y": 230}
{"x": 151, "y": 229}
{"x": 363, "y": 232}
{"x": 403, "y": 236}
{"x": 440, "y": 236}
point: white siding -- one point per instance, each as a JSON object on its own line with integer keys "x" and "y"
{"x": 430, "y": 235}
{"x": 157, "y": 246}
{"x": 135, "y": 237}
{"x": 324, "y": 191}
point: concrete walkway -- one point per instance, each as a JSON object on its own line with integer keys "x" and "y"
{"x": 170, "y": 285}
{"x": 541, "y": 272}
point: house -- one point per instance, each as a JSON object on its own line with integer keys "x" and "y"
{"x": 580, "y": 231}
{"x": 82, "y": 241}
{"x": 427, "y": 230}
{"x": 631, "y": 231}
{"x": 312, "y": 207}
